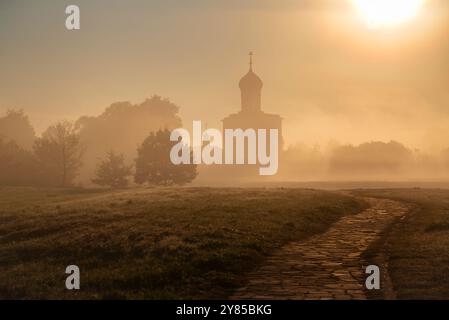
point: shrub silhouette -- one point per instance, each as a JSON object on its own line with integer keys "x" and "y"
{"x": 153, "y": 165}
{"x": 112, "y": 171}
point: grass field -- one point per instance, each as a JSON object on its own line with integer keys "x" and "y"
{"x": 417, "y": 248}
{"x": 151, "y": 243}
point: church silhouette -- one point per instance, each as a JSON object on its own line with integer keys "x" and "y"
{"x": 251, "y": 115}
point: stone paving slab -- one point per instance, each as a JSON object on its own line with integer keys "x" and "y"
{"x": 327, "y": 266}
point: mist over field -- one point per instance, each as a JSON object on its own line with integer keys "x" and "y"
{"x": 122, "y": 128}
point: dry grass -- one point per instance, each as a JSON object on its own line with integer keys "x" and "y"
{"x": 151, "y": 243}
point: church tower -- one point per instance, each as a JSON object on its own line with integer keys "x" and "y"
{"x": 251, "y": 115}
{"x": 251, "y": 90}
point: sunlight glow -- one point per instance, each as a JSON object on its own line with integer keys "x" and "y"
{"x": 387, "y": 13}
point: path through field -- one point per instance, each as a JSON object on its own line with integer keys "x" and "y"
{"x": 327, "y": 266}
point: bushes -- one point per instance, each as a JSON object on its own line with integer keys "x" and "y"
{"x": 153, "y": 164}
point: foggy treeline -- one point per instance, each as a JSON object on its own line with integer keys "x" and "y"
{"x": 84, "y": 152}
{"x": 122, "y": 128}
{"x": 373, "y": 160}
{"x": 100, "y": 150}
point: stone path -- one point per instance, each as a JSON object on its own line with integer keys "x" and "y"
{"x": 327, "y": 266}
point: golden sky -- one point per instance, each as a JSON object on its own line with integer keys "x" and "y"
{"x": 330, "y": 75}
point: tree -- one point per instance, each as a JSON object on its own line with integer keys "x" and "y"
{"x": 122, "y": 127}
{"x": 17, "y": 165}
{"x": 15, "y": 126}
{"x": 153, "y": 164}
{"x": 59, "y": 153}
{"x": 112, "y": 171}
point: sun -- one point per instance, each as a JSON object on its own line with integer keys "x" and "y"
{"x": 379, "y": 14}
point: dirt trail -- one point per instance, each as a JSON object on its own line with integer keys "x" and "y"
{"x": 327, "y": 266}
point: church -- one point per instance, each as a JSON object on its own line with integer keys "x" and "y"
{"x": 251, "y": 115}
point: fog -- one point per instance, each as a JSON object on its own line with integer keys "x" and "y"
{"x": 357, "y": 104}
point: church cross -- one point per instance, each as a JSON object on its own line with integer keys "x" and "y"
{"x": 251, "y": 61}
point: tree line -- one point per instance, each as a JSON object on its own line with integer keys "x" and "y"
{"x": 57, "y": 156}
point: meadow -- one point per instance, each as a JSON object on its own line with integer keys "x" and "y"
{"x": 153, "y": 243}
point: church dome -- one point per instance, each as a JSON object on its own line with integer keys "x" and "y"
{"x": 251, "y": 81}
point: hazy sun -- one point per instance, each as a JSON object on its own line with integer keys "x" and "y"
{"x": 386, "y": 13}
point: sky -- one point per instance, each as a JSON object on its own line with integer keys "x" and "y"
{"x": 325, "y": 72}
